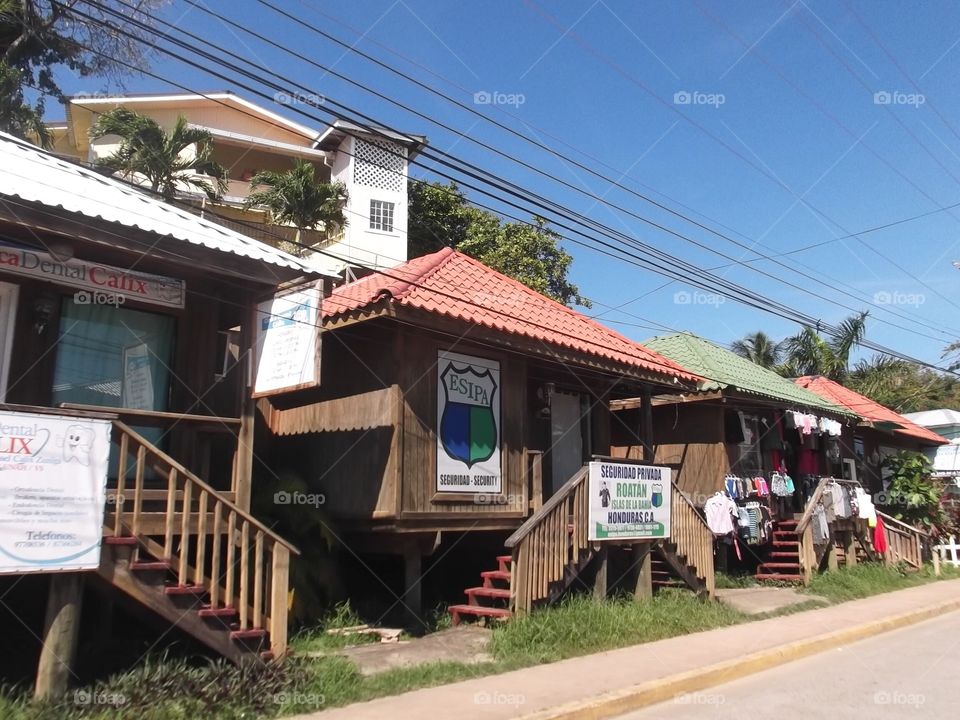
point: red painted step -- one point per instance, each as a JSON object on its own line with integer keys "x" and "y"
{"x": 784, "y": 543}
{"x": 785, "y": 554}
{"x": 151, "y": 565}
{"x": 781, "y": 565}
{"x": 504, "y": 561}
{"x": 489, "y": 575}
{"x": 249, "y": 634}
{"x": 185, "y": 590}
{"x": 487, "y": 592}
{"x": 478, "y": 611}
{"x": 209, "y": 612}
{"x": 116, "y": 540}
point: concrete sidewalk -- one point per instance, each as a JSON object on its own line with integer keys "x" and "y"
{"x": 617, "y": 681}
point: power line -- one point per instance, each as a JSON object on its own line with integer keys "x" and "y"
{"x": 599, "y": 199}
{"x": 802, "y": 320}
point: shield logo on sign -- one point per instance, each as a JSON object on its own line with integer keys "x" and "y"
{"x": 468, "y": 426}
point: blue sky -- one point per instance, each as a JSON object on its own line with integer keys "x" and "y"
{"x": 762, "y": 116}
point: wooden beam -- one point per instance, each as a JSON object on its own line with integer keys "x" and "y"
{"x": 60, "y": 633}
{"x": 643, "y": 558}
{"x": 412, "y": 574}
{"x": 646, "y": 432}
{"x": 600, "y": 581}
{"x": 244, "y": 463}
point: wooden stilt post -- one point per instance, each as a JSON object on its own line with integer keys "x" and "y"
{"x": 646, "y": 425}
{"x": 61, "y": 630}
{"x": 832, "y": 563}
{"x": 412, "y": 595}
{"x": 600, "y": 582}
{"x": 243, "y": 465}
{"x": 850, "y": 548}
{"x": 643, "y": 556}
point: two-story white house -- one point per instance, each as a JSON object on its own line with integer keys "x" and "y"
{"x": 372, "y": 164}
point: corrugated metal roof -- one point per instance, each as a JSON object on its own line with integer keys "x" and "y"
{"x": 867, "y": 409}
{"x": 455, "y": 285}
{"x": 34, "y": 175}
{"x": 726, "y": 370}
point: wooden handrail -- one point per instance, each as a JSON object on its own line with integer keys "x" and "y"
{"x": 253, "y": 582}
{"x": 556, "y": 499}
{"x": 173, "y": 464}
{"x": 692, "y": 538}
{"x": 889, "y": 520}
{"x": 808, "y": 511}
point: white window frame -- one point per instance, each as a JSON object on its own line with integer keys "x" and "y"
{"x": 8, "y": 315}
{"x": 384, "y": 209}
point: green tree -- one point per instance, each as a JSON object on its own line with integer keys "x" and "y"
{"x": 914, "y": 496}
{"x": 809, "y": 353}
{"x": 39, "y": 37}
{"x": 168, "y": 161}
{"x": 17, "y": 116}
{"x": 759, "y": 348}
{"x": 903, "y": 386}
{"x": 528, "y": 252}
{"x": 296, "y": 197}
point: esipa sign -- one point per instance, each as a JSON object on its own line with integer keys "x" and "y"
{"x": 468, "y": 424}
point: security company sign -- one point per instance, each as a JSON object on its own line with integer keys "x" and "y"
{"x": 629, "y": 502}
{"x": 468, "y": 424}
{"x": 53, "y": 475}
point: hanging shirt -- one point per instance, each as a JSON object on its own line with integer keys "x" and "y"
{"x": 720, "y": 511}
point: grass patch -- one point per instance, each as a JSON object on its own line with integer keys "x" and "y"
{"x": 317, "y": 639}
{"x": 734, "y": 582}
{"x": 173, "y": 689}
{"x": 866, "y": 579}
{"x": 582, "y": 625}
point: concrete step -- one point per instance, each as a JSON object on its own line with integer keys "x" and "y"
{"x": 779, "y": 576}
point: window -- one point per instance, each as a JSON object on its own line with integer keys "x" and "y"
{"x": 381, "y": 215}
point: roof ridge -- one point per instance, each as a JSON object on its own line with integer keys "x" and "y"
{"x": 570, "y": 311}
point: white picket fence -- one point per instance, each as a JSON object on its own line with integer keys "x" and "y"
{"x": 948, "y": 552}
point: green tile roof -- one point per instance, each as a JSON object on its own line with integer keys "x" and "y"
{"x": 724, "y": 370}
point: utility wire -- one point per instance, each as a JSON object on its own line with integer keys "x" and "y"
{"x": 807, "y": 321}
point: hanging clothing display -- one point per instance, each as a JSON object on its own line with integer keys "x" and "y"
{"x": 880, "y": 537}
{"x": 819, "y": 525}
{"x": 720, "y": 512}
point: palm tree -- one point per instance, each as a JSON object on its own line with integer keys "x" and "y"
{"x": 296, "y": 197}
{"x": 809, "y": 353}
{"x": 167, "y": 161}
{"x": 759, "y": 348}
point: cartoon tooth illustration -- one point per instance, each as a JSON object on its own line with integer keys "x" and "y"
{"x": 77, "y": 444}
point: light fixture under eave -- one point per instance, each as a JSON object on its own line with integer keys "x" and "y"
{"x": 60, "y": 250}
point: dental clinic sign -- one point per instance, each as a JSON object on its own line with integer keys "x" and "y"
{"x": 130, "y": 285}
{"x": 629, "y": 502}
{"x": 53, "y": 476}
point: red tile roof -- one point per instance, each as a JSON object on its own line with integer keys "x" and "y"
{"x": 867, "y": 408}
{"x": 455, "y": 285}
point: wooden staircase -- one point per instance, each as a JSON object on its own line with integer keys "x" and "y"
{"x": 194, "y": 557}
{"x": 490, "y": 600}
{"x": 783, "y": 560}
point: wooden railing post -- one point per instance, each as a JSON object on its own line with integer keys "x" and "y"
{"x": 279, "y": 593}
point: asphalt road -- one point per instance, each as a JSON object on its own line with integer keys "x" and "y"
{"x": 911, "y": 672}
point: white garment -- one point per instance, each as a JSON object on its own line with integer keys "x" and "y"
{"x": 720, "y": 511}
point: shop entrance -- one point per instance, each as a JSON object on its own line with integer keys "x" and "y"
{"x": 8, "y": 314}
{"x": 566, "y": 437}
